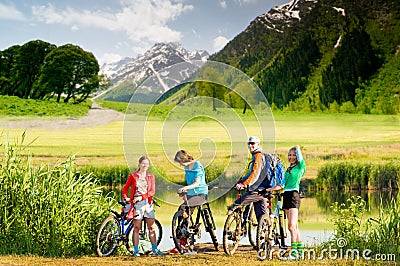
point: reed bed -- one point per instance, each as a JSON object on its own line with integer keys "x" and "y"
{"x": 47, "y": 211}
{"x": 350, "y": 175}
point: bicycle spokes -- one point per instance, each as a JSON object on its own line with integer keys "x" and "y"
{"x": 232, "y": 233}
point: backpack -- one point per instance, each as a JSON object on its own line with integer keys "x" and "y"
{"x": 273, "y": 172}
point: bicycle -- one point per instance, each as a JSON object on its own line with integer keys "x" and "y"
{"x": 184, "y": 229}
{"x": 271, "y": 229}
{"x": 235, "y": 228}
{"x": 118, "y": 228}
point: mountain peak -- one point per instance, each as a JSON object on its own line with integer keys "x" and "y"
{"x": 282, "y": 16}
{"x": 158, "y": 57}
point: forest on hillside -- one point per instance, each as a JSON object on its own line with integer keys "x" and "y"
{"x": 340, "y": 56}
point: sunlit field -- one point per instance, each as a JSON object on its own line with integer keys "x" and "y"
{"x": 323, "y": 137}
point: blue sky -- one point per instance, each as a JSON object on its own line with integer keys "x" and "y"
{"x": 115, "y": 29}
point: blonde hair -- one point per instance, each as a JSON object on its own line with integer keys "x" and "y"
{"x": 292, "y": 149}
{"x": 183, "y": 156}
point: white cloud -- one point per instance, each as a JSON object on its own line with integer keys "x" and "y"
{"x": 245, "y": 2}
{"x": 222, "y": 3}
{"x": 141, "y": 20}
{"x": 109, "y": 58}
{"x": 10, "y": 13}
{"x": 74, "y": 28}
{"x": 219, "y": 43}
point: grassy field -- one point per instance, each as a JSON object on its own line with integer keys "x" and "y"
{"x": 323, "y": 137}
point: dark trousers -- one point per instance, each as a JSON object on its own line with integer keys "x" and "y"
{"x": 260, "y": 203}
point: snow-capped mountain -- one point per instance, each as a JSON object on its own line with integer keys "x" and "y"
{"x": 160, "y": 56}
{"x": 282, "y": 16}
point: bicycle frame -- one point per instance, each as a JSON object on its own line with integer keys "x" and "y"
{"x": 278, "y": 218}
{"x": 123, "y": 230}
{"x": 125, "y": 225}
{"x": 184, "y": 237}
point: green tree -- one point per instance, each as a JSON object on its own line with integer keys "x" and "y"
{"x": 69, "y": 70}
{"x": 212, "y": 89}
{"x": 26, "y": 70}
{"x": 7, "y": 61}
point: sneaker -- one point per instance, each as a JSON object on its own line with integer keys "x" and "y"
{"x": 158, "y": 252}
{"x": 174, "y": 251}
{"x": 136, "y": 254}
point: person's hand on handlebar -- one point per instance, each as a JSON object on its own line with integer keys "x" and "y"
{"x": 182, "y": 190}
{"x": 137, "y": 199}
{"x": 239, "y": 186}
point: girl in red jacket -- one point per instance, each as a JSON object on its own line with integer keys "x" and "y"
{"x": 142, "y": 185}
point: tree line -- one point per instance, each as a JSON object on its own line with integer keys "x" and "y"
{"x": 41, "y": 70}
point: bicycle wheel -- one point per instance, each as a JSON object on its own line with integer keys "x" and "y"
{"x": 263, "y": 240}
{"x": 108, "y": 236}
{"x": 159, "y": 231}
{"x": 144, "y": 239}
{"x": 252, "y": 227}
{"x": 232, "y": 231}
{"x": 183, "y": 239}
{"x": 210, "y": 227}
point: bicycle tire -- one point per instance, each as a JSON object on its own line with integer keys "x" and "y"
{"x": 264, "y": 242}
{"x": 181, "y": 235}
{"x": 159, "y": 231}
{"x": 145, "y": 238}
{"x": 282, "y": 235}
{"x": 232, "y": 231}
{"x": 252, "y": 228}
{"x": 108, "y": 236}
{"x": 210, "y": 227}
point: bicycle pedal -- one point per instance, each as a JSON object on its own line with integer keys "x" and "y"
{"x": 196, "y": 226}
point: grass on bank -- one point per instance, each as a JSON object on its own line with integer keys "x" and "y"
{"x": 47, "y": 211}
{"x": 15, "y": 107}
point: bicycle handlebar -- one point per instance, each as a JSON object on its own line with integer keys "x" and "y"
{"x": 123, "y": 203}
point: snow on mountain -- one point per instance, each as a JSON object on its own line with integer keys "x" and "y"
{"x": 282, "y": 16}
{"x": 160, "y": 56}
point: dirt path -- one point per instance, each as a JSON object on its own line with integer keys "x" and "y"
{"x": 96, "y": 116}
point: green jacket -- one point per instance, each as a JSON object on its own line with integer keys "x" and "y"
{"x": 293, "y": 177}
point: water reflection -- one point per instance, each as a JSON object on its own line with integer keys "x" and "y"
{"x": 315, "y": 207}
{"x": 373, "y": 199}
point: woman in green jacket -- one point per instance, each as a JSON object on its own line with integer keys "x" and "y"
{"x": 291, "y": 198}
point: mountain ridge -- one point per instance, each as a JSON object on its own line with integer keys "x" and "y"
{"x": 127, "y": 73}
{"x": 316, "y": 55}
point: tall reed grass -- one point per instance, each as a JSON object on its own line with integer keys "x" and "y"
{"x": 47, "y": 211}
{"x": 359, "y": 175}
{"x": 355, "y": 231}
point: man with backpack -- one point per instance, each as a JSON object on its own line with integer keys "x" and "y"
{"x": 265, "y": 171}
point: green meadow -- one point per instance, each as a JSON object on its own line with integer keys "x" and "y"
{"x": 324, "y": 137}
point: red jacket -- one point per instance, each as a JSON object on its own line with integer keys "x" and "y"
{"x": 132, "y": 179}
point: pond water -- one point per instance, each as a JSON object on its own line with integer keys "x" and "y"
{"x": 314, "y": 214}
